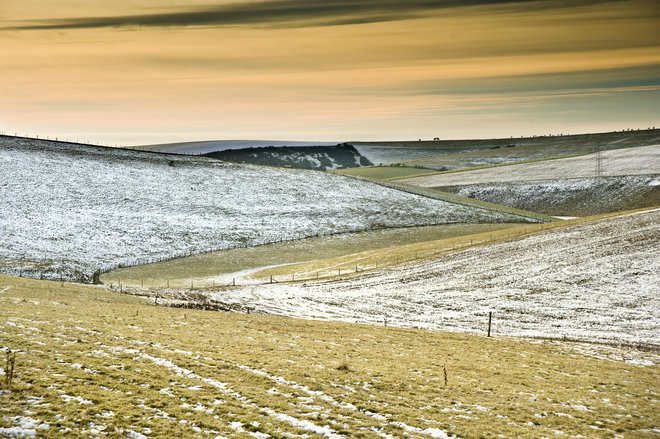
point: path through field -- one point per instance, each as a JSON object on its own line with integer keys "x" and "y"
{"x": 595, "y": 282}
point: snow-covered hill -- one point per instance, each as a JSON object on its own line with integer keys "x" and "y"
{"x": 570, "y": 197}
{"x": 69, "y": 210}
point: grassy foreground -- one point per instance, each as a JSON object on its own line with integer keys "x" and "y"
{"x": 91, "y": 361}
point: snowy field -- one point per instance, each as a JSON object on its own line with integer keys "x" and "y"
{"x": 595, "y": 282}
{"x": 570, "y": 197}
{"x": 69, "y": 210}
{"x": 628, "y": 161}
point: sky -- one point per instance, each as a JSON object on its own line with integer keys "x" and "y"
{"x": 130, "y": 72}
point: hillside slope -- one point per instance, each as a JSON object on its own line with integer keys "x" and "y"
{"x": 459, "y": 154}
{"x": 303, "y": 157}
{"x": 570, "y": 197}
{"x": 208, "y": 146}
{"x": 69, "y": 210}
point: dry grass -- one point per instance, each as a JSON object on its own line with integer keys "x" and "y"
{"x": 88, "y": 343}
{"x": 387, "y": 172}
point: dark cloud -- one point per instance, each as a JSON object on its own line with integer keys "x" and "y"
{"x": 293, "y": 13}
{"x": 605, "y": 79}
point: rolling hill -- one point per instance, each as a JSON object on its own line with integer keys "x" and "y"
{"x": 71, "y": 210}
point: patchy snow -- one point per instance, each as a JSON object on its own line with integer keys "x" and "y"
{"x": 69, "y": 210}
{"x": 595, "y": 282}
{"x": 135, "y": 435}
{"x": 433, "y": 432}
{"x": 78, "y": 399}
{"x": 24, "y": 427}
{"x": 291, "y": 420}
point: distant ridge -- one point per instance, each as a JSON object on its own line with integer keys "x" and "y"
{"x": 208, "y": 146}
{"x": 304, "y": 157}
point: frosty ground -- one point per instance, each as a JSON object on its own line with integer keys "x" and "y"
{"x": 570, "y": 197}
{"x": 593, "y": 282}
{"x": 69, "y": 210}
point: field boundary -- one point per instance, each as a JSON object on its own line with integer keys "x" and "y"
{"x": 497, "y": 165}
{"x": 457, "y": 199}
{"x": 347, "y": 266}
{"x": 416, "y": 252}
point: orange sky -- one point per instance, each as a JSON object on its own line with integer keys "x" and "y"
{"x": 137, "y": 71}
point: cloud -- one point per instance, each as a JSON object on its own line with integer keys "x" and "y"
{"x": 294, "y": 13}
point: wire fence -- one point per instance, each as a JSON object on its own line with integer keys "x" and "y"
{"x": 347, "y": 269}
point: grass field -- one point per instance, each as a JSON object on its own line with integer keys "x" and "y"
{"x": 386, "y": 172}
{"x": 218, "y": 268}
{"x": 372, "y": 259}
{"x": 93, "y": 362}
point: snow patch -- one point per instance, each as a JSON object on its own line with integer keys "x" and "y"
{"x": 24, "y": 427}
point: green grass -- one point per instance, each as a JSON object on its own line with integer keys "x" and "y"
{"x": 520, "y": 161}
{"x": 88, "y": 342}
{"x": 386, "y": 172}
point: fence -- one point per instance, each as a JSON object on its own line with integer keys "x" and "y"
{"x": 349, "y": 269}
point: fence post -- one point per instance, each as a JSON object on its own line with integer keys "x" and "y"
{"x": 490, "y": 318}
